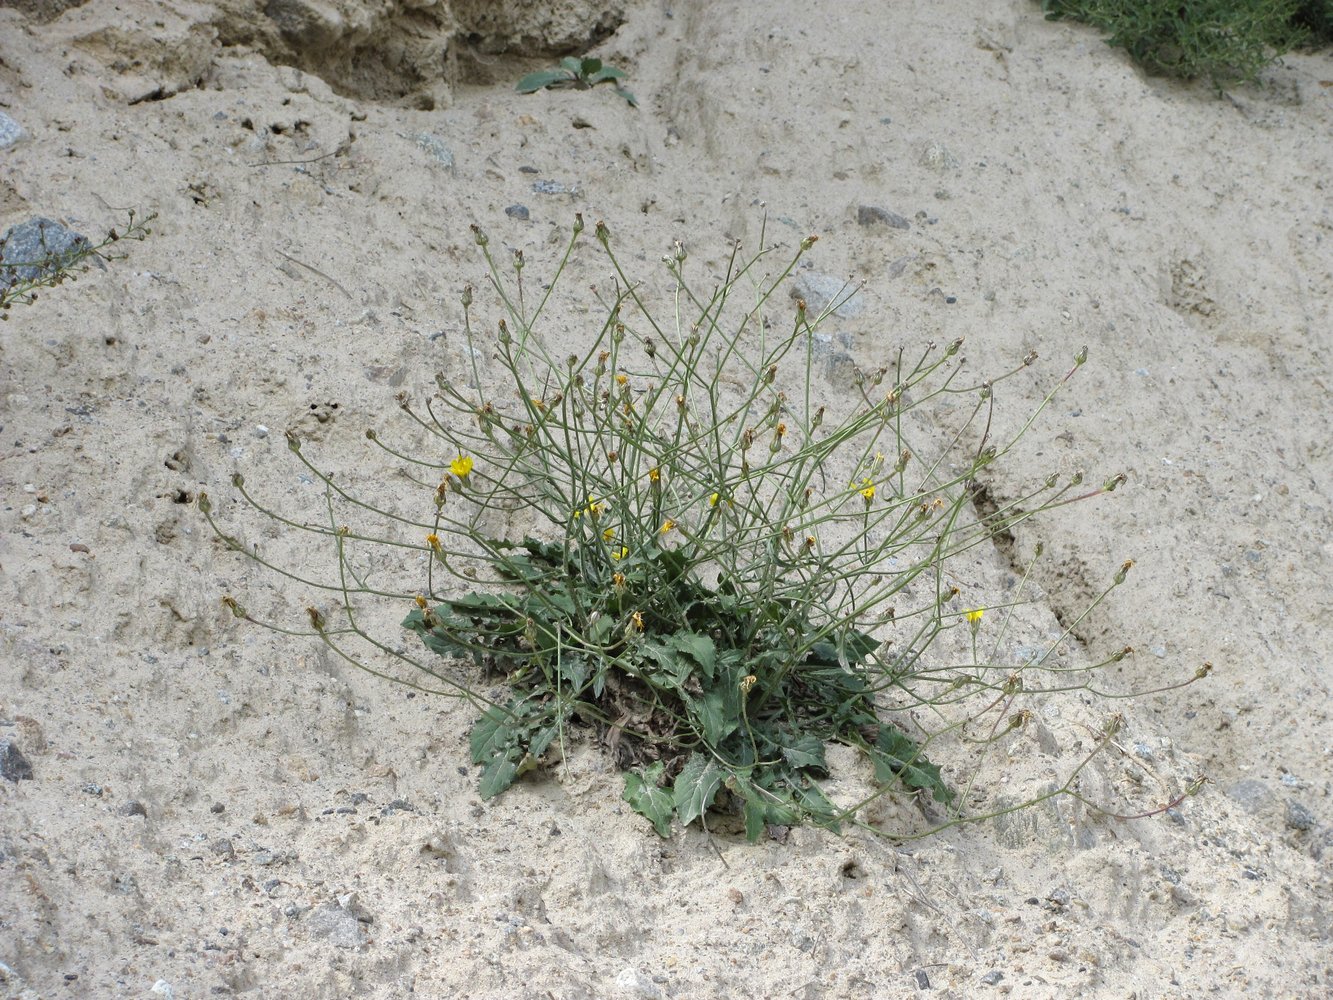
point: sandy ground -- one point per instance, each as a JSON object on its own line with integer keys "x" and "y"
{"x": 214, "y": 811}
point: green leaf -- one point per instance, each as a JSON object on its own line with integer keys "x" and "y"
{"x": 647, "y": 798}
{"x": 589, "y": 67}
{"x": 534, "y": 82}
{"x": 711, "y": 716}
{"x": 762, "y": 806}
{"x": 806, "y": 752}
{"x": 492, "y": 734}
{"x": 605, "y": 73}
{"x": 499, "y": 774}
{"x": 697, "y": 647}
{"x": 572, "y": 64}
{"x": 630, "y": 99}
{"x": 896, "y": 756}
{"x": 542, "y": 739}
{"x": 696, "y": 786}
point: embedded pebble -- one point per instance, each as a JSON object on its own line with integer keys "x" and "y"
{"x": 10, "y": 131}
{"x": 13, "y": 765}
{"x": 519, "y": 212}
{"x": 1251, "y": 793}
{"x": 441, "y": 153}
{"x": 334, "y": 924}
{"x": 554, "y": 187}
{"x": 633, "y": 983}
{"x": 822, "y": 290}
{"x": 871, "y": 215}
{"x": 40, "y": 247}
{"x": 993, "y": 977}
{"x": 1299, "y": 817}
{"x": 132, "y": 808}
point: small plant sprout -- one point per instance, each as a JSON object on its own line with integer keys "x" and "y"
{"x": 578, "y": 74}
{"x": 678, "y": 545}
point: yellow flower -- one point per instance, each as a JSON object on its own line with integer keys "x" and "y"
{"x": 636, "y": 620}
{"x": 621, "y": 553}
{"x": 654, "y": 475}
{"x": 618, "y": 579}
{"x": 608, "y": 534}
{"x": 667, "y": 525}
{"x": 621, "y": 379}
{"x": 461, "y": 466}
{"x": 712, "y": 500}
{"x": 434, "y": 542}
{"x": 867, "y": 489}
{"x": 975, "y": 614}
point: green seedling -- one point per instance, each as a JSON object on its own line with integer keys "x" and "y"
{"x": 578, "y": 74}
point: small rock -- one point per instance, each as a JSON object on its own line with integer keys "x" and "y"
{"x": 554, "y": 187}
{"x": 633, "y": 983}
{"x": 217, "y": 807}
{"x": 833, "y": 352}
{"x": 871, "y": 215}
{"x": 441, "y": 153}
{"x": 939, "y": 158}
{"x": 93, "y": 789}
{"x": 1058, "y": 896}
{"x": 39, "y": 247}
{"x": 223, "y": 848}
{"x": 1299, "y": 817}
{"x": 1251, "y": 793}
{"x": 922, "y": 980}
{"x": 519, "y": 212}
{"x": 132, "y": 808}
{"x": 10, "y": 131}
{"x": 993, "y": 977}
{"x": 340, "y": 928}
{"x": 13, "y": 765}
{"x": 822, "y": 290}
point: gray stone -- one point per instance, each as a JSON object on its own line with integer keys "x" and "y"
{"x": 37, "y": 248}
{"x": 832, "y": 352}
{"x": 132, "y": 808}
{"x": 554, "y": 187}
{"x": 519, "y": 212}
{"x": 822, "y": 290}
{"x": 873, "y": 215}
{"x": 993, "y": 977}
{"x": 1299, "y": 817}
{"x": 223, "y": 848}
{"x": 441, "y": 153}
{"x": 10, "y": 131}
{"x": 1251, "y": 793}
{"x": 13, "y": 765}
{"x": 337, "y": 926}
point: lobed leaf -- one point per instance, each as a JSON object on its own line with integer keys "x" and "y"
{"x": 646, "y": 797}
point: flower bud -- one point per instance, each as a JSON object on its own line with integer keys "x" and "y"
{"x": 578, "y": 223}
{"x": 478, "y": 235}
{"x": 1081, "y": 356}
{"x": 467, "y": 296}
